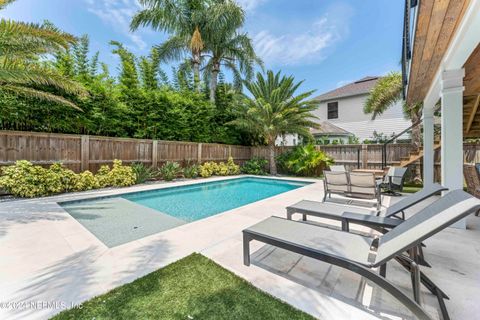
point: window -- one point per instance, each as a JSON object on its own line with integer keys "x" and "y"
{"x": 332, "y": 110}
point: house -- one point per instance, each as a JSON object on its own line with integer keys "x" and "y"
{"x": 343, "y": 107}
{"x": 328, "y": 133}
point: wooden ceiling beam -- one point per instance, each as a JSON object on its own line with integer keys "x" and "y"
{"x": 472, "y": 115}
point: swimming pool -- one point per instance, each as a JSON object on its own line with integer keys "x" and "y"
{"x": 127, "y": 217}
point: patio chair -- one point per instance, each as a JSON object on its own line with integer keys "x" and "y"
{"x": 472, "y": 178}
{"x": 362, "y": 254}
{"x": 338, "y": 168}
{"x": 335, "y": 182}
{"x": 364, "y": 185}
{"x": 393, "y": 181}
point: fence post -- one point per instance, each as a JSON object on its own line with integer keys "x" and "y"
{"x": 199, "y": 153}
{"x": 154, "y": 153}
{"x": 229, "y": 151}
{"x": 85, "y": 152}
{"x": 364, "y": 156}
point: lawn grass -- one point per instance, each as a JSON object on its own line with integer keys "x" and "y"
{"x": 192, "y": 288}
{"x": 412, "y": 189}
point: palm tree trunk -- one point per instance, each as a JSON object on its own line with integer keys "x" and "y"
{"x": 196, "y": 70}
{"x": 273, "y": 164}
{"x": 214, "y": 82}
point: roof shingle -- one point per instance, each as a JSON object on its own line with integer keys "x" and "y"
{"x": 361, "y": 86}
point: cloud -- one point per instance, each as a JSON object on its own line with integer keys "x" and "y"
{"x": 308, "y": 46}
{"x": 250, "y": 5}
{"x": 118, "y": 14}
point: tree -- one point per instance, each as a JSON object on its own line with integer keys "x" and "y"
{"x": 275, "y": 109}
{"x": 387, "y": 92}
{"x": 21, "y": 71}
{"x": 183, "y": 19}
{"x": 235, "y": 52}
{"x": 198, "y": 27}
{"x": 226, "y": 46}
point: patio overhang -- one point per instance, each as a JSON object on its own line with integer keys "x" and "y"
{"x": 444, "y": 70}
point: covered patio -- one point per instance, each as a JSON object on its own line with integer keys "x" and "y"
{"x": 441, "y": 64}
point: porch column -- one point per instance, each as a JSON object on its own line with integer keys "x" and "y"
{"x": 428, "y": 152}
{"x": 452, "y": 131}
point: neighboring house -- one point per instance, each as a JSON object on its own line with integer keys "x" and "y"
{"x": 328, "y": 133}
{"x": 343, "y": 107}
{"x": 288, "y": 140}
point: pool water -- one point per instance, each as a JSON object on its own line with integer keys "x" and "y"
{"x": 195, "y": 202}
{"x": 124, "y": 218}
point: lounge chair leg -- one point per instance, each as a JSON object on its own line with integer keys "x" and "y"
{"x": 246, "y": 249}
{"x": 383, "y": 270}
{"x": 304, "y": 217}
{"x": 421, "y": 257}
{"x": 289, "y": 214}
{"x": 416, "y": 281}
{"x": 345, "y": 225}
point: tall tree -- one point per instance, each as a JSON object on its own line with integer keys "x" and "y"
{"x": 235, "y": 52}
{"x": 386, "y": 93}
{"x": 21, "y": 72}
{"x": 275, "y": 109}
{"x": 194, "y": 24}
{"x": 183, "y": 19}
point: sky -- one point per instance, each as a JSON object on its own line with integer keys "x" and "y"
{"x": 326, "y": 43}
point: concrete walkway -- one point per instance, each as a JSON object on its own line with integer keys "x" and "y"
{"x": 49, "y": 261}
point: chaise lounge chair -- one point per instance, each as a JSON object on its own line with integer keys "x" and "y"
{"x": 361, "y": 254}
{"x": 335, "y": 211}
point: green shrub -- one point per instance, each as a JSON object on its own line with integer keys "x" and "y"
{"x": 233, "y": 169}
{"x": 255, "y": 166}
{"x": 60, "y": 179}
{"x": 142, "y": 172}
{"x": 26, "y": 180}
{"x": 208, "y": 169}
{"x": 102, "y": 176}
{"x": 86, "y": 181}
{"x": 170, "y": 171}
{"x": 121, "y": 176}
{"x": 191, "y": 171}
{"x": 304, "y": 161}
{"x": 221, "y": 169}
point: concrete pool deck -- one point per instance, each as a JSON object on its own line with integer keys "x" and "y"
{"x": 48, "y": 257}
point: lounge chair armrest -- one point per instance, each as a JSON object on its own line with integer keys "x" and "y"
{"x": 368, "y": 220}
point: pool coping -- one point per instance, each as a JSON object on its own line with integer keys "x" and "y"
{"x": 167, "y": 186}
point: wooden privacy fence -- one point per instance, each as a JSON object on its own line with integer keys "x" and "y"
{"x": 82, "y": 152}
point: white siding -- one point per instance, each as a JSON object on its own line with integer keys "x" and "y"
{"x": 288, "y": 140}
{"x": 364, "y": 129}
{"x": 352, "y": 118}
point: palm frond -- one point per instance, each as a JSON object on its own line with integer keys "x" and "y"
{"x": 36, "y": 75}
{"x": 384, "y": 94}
{"x": 4, "y": 3}
{"x": 38, "y": 94}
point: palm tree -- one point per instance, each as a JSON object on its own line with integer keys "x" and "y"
{"x": 21, "y": 72}
{"x": 184, "y": 19}
{"x": 235, "y": 52}
{"x": 387, "y": 92}
{"x": 191, "y": 23}
{"x": 275, "y": 109}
